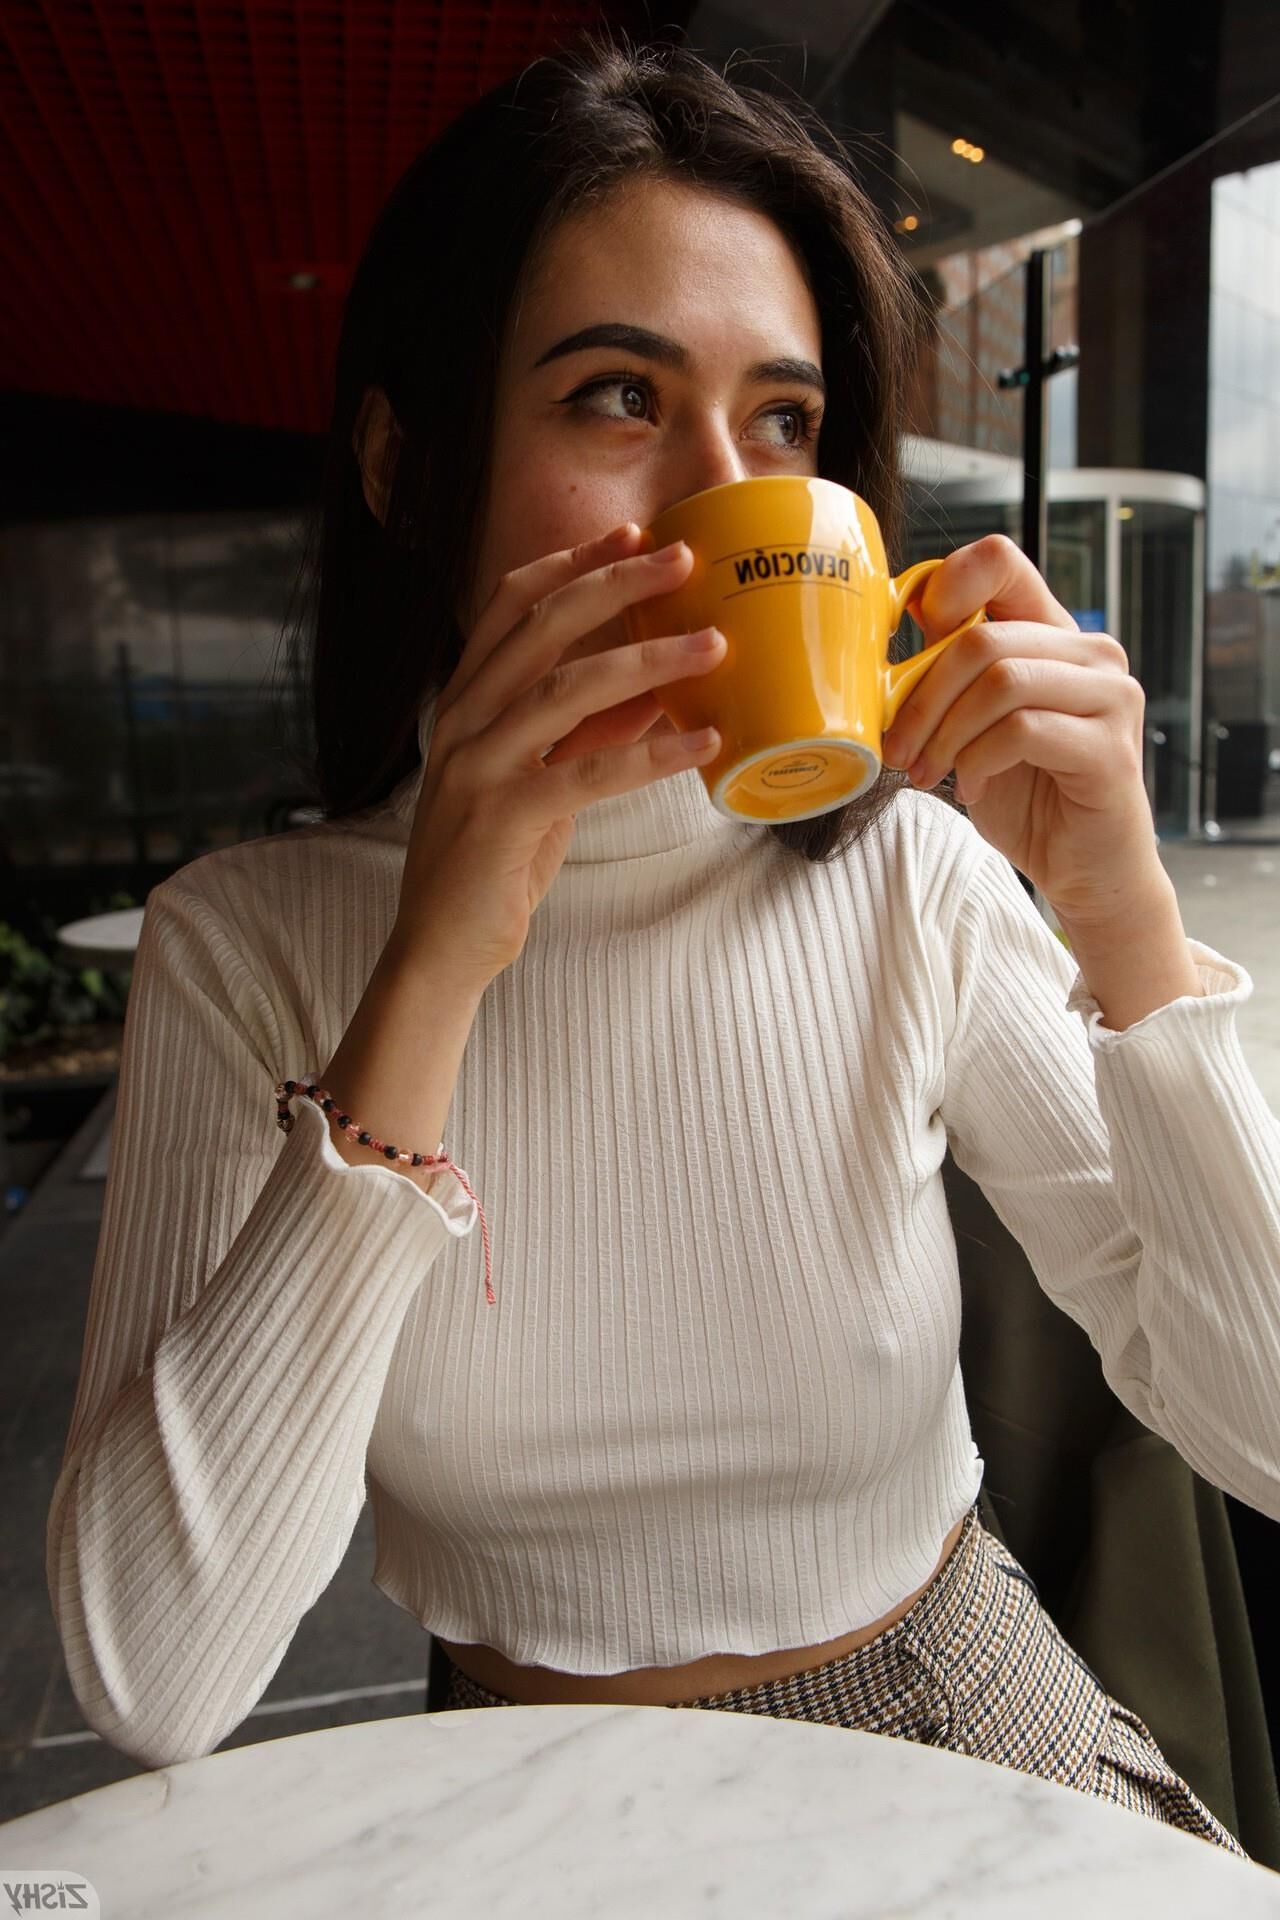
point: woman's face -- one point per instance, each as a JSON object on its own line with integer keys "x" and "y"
{"x": 589, "y": 435}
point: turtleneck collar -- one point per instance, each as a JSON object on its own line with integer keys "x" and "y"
{"x": 660, "y": 818}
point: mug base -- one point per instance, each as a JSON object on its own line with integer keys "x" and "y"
{"x": 796, "y": 782}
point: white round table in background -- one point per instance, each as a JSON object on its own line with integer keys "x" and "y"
{"x": 104, "y": 939}
{"x": 620, "y": 1813}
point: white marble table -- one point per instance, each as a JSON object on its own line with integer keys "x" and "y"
{"x": 104, "y": 939}
{"x": 634, "y": 1813}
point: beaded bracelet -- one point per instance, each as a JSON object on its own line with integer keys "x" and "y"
{"x": 288, "y": 1090}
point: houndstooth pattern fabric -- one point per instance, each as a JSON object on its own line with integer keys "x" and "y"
{"x": 976, "y": 1666}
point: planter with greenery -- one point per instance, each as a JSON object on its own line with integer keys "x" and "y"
{"x": 57, "y": 1018}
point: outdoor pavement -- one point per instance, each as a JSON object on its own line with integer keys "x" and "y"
{"x": 355, "y": 1656}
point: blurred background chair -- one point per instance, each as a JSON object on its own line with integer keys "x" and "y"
{"x": 1131, "y": 1551}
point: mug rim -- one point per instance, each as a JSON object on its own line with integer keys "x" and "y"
{"x": 760, "y": 480}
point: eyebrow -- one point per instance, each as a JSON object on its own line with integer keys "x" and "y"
{"x": 669, "y": 353}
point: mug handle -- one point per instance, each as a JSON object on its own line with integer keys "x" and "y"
{"x": 902, "y": 675}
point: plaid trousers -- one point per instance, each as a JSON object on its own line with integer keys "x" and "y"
{"x": 976, "y": 1666}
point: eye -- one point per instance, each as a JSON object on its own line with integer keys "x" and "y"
{"x": 805, "y": 418}
{"x": 628, "y": 385}
{"x": 636, "y": 390}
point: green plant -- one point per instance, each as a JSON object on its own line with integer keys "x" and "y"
{"x": 44, "y": 998}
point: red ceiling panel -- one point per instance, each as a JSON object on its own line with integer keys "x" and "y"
{"x": 185, "y": 185}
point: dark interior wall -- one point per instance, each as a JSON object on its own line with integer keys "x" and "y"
{"x": 1248, "y": 58}
{"x": 61, "y": 459}
{"x": 1145, "y": 310}
{"x": 1144, "y": 332}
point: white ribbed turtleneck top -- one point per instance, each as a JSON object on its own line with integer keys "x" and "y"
{"x": 717, "y": 1406}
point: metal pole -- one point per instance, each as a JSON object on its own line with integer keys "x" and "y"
{"x": 1035, "y": 503}
{"x": 135, "y": 762}
{"x": 1195, "y": 732}
{"x": 1215, "y": 733}
{"x": 186, "y": 836}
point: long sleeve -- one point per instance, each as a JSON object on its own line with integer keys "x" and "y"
{"x": 248, "y": 1290}
{"x": 1139, "y": 1169}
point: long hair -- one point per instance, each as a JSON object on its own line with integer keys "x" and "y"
{"x": 425, "y": 317}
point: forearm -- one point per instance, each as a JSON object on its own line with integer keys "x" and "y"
{"x": 1194, "y": 1159}
{"x": 1140, "y": 1171}
{"x": 248, "y": 1295}
{"x": 1138, "y": 962}
{"x": 195, "y": 1523}
{"x": 398, "y": 1061}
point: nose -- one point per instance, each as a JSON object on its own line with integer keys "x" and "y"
{"x": 706, "y": 456}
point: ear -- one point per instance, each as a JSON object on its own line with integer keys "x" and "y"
{"x": 375, "y": 442}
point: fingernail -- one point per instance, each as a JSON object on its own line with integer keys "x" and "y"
{"x": 699, "y": 742}
{"x": 665, "y": 555}
{"x": 619, "y": 534}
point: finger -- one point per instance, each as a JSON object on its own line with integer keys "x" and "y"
{"x": 991, "y": 573}
{"x": 1056, "y": 686}
{"x": 550, "y": 795}
{"x": 518, "y": 590}
{"x": 582, "y": 701}
{"x": 533, "y": 646}
{"x": 1087, "y": 762}
{"x": 618, "y": 726}
{"x": 976, "y": 653}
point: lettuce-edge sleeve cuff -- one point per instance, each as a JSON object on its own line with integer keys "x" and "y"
{"x": 441, "y": 1191}
{"x": 1224, "y": 987}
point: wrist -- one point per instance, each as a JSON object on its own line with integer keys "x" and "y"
{"x": 1134, "y": 961}
{"x": 416, "y": 962}
{"x": 1132, "y": 912}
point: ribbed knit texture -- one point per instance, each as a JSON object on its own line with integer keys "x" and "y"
{"x": 717, "y": 1407}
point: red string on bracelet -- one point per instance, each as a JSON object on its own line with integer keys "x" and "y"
{"x": 288, "y": 1090}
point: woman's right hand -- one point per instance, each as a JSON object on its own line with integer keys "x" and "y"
{"x": 496, "y": 810}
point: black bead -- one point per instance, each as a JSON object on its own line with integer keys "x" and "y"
{"x": 289, "y": 1086}
{"x": 328, "y": 1105}
{"x": 364, "y": 1138}
{"x": 391, "y": 1152}
{"x": 417, "y": 1159}
{"x": 344, "y": 1119}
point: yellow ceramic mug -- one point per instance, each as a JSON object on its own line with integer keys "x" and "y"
{"x": 793, "y": 572}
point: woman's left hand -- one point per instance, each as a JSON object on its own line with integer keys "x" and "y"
{"x": 1043, "y": 725}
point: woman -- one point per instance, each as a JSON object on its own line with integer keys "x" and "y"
{"x": 712, "y": 1447}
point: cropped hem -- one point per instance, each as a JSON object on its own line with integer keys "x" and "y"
{"x": 463, "y": 1632}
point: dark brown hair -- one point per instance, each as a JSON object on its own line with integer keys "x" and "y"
{"x": 424, "y": 321}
